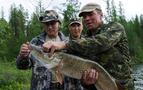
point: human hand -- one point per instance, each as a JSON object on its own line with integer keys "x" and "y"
{"x": 24, "y": 50}
{"x": 51, "y": 47}
{"x": 90, "y": 76}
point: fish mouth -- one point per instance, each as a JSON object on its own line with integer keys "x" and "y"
{"x": 37, "y": 48}
{"x": 43, "y": 58}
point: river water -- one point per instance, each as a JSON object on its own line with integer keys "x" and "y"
{"x": 138, "y": 76}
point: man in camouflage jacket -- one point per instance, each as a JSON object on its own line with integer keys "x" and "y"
{"x": 106, "y": 44}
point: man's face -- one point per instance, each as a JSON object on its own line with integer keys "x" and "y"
{"x": 92, "y": 19}
{"x": 51, "y": 28}
{"x": 75, "y": 30}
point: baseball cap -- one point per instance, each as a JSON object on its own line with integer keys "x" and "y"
{"x": 75, "y": 20}
{"x": 49, "y": 15}
{"x": 89, "y": 8}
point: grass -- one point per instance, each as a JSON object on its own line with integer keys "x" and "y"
{"x": 12, "y": 78}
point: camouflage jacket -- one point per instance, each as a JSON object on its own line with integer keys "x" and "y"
{"x": 108, "y": 46}
{"x": 41, "y": 76}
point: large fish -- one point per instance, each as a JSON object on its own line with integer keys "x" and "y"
{"x": 73, "y": 66}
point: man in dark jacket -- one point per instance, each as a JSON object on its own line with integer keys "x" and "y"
{"x": 42, "y": 78}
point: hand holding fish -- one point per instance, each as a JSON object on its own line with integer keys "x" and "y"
{"x": 53, "y": 46}
{"x": 90, "y": 76}
{"x": 24, "y": 50}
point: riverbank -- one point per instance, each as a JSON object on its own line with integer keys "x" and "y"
{"x": 138, "y": 76}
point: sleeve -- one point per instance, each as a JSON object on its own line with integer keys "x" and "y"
{"x": 25, "y": 62}
{"x": 98, "y": 43}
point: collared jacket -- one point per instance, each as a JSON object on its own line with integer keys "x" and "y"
{"x": 41, "y": 76}
{"x": 108, "y": 46}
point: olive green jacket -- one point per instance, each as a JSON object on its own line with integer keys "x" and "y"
{"x": 108, "y": 46}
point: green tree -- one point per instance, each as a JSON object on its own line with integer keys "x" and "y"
{"x": 112, "y": 13}
{"x": 121, "y": 12}
{"x": 4, "y": 36}
{"x": 34, "y": 27}
{"x": 108, "y": 10}
{"x": 17, "y": 26}
{"x": 141, "y": 27}
{"x": 2, "y": 13}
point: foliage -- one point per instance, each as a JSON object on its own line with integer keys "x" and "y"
{"x": 13, "y": 79}
{"x": 34, "y": 27}
{"x": 16, "y": 29}
{"x": 4, "y": 36}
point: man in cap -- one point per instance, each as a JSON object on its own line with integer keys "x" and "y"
{"x": 42, "y": 78}
{"x": 110, "y": 45}
{"x": 75, "y": 28}
{"x": 106, "y": 44}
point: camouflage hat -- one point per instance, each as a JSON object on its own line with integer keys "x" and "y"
{"x": 49, "y": 15}
{"x": 75, "y": 20}
{"x": 89, "y": 8}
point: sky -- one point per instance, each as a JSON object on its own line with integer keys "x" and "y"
{"x": 131, "y": 7}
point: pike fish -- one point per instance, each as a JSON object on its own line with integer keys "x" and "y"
{"x": 73, "y": 66}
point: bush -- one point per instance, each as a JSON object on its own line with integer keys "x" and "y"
{"x": 13, "y": 79}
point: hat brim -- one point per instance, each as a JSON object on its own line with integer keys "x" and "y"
{"x": 85, "y": 11}
{"x": 45, "y": 21}
{"x": 75, "y": 22}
